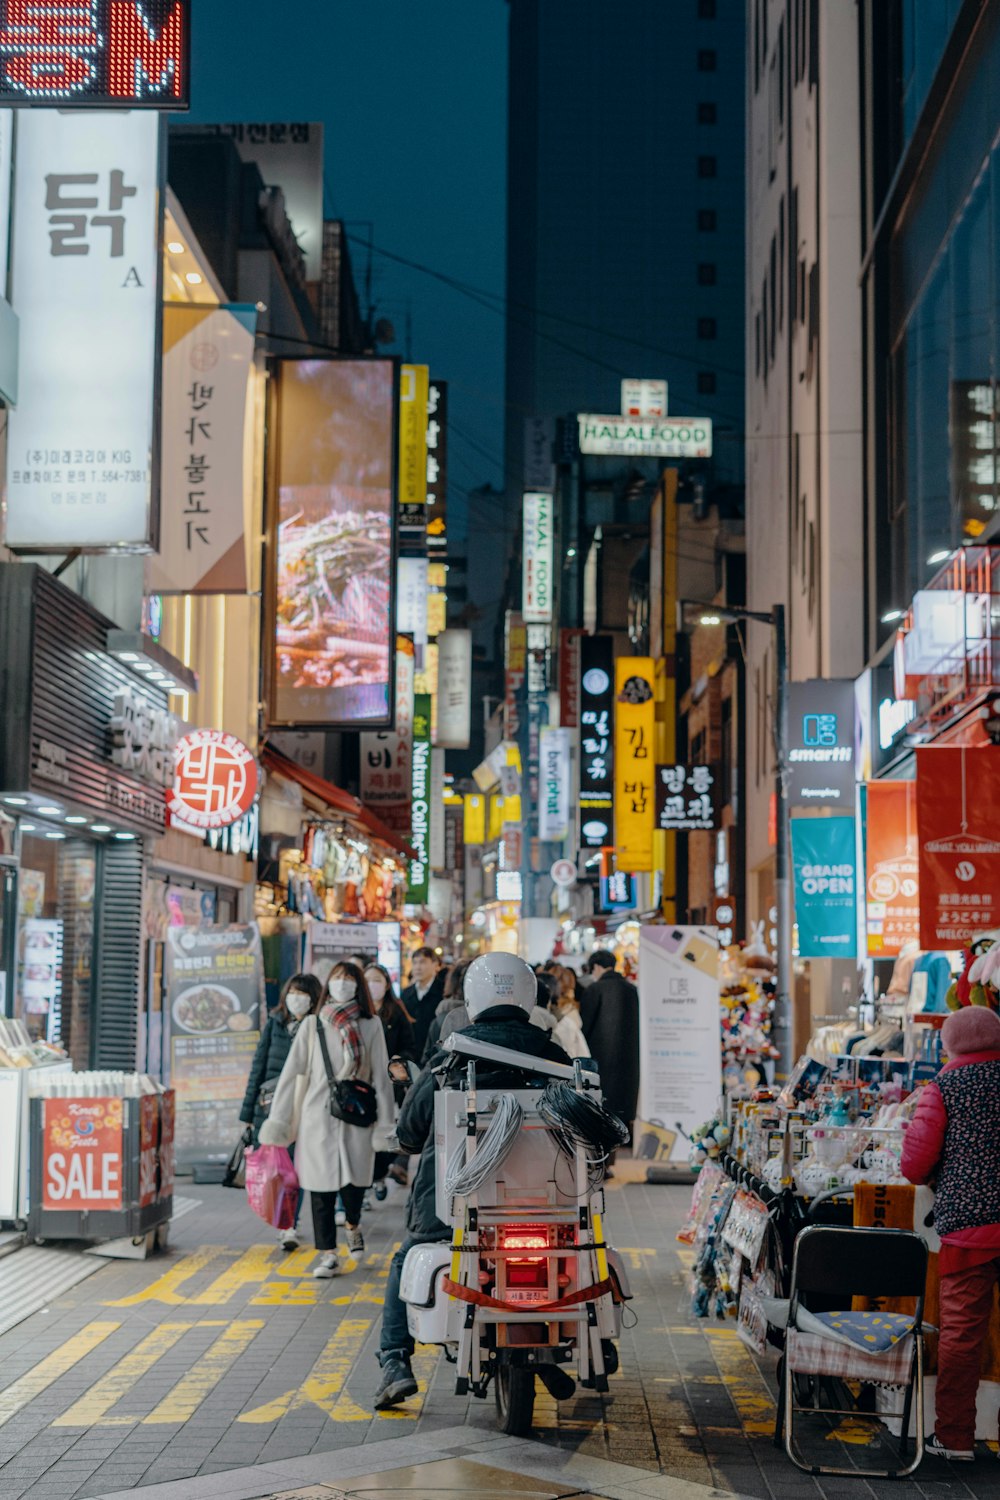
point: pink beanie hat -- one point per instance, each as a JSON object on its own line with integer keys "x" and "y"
{"x": 974, "y": 1028}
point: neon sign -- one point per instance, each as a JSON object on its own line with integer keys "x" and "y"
{"x": 129, "y": 54}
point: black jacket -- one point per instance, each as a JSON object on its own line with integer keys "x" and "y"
{"x": 447, "y": 1005}
{"x": 609, "y": 1014}
{"x": 399, "y": 1040}
{"x": 268, "y": 1060}
{"x": 504, "y": 1026}
{"x": 423, "y": 1010}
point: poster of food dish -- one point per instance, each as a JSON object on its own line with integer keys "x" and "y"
{"x": 213, "y": 998}
{"x": 331, "y": 589}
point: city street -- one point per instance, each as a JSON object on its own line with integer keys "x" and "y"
{"x": 225, "y": 1354}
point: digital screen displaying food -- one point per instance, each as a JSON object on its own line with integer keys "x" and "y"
{"x": 332, "y": 556}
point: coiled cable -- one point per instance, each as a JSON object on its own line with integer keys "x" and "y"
{"x": 492, "y": 1150}
{"x": 576, "y": 1120}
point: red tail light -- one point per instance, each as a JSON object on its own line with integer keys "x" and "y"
{"x": 524, "y": 1237}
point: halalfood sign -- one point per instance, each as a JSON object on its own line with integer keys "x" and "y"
{"x": 649, "y": 437}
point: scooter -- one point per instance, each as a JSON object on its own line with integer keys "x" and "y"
{"x": 528, "y": 1286}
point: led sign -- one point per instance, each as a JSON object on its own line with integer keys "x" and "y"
{"x": 129, "y": 54}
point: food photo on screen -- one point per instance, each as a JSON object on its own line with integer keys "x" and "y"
{"x": 333, "y": 553}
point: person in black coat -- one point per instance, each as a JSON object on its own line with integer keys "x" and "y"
{"x": 424, "y": 994}
{"x": 397, "y": 1023}
{"x": 609, "y": 1014}
{"x": 299, "y": 998}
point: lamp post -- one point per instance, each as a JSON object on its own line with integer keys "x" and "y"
{"x": 719, "y": 614}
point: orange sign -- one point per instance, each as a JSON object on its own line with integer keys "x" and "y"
{"x": 215, "y": 780}
{"x": 892, "y": 891}
{"x": 82, "y": 1153}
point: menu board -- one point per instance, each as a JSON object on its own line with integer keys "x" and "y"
{"x": 214, "y": 983}
{"x": 330, "y": 943}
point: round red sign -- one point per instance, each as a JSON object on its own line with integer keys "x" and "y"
{"x": 216, "y": 780}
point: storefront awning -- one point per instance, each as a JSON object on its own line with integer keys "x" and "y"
{"x": 336, "y": 799}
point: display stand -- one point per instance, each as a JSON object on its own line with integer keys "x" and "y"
{"x": 16, "y": 1088}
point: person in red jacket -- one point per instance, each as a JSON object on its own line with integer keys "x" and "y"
{"x": 953, "y": 1141}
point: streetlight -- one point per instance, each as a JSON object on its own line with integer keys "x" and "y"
{"x": 718, "y": 614}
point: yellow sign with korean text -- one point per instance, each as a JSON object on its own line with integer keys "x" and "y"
{"x": 474, "y": 820}
{"x": 635, "y": 762}
{"x": 413, "y": 392}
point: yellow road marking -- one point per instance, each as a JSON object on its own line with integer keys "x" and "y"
{"x": 746, "y": 1385}
{"x": 424, "y": 1364}
{"x": 249, "y": 1269}
{"x": 635, "y": 1256}
{"x": 118, "y": 1382}
{"x": 324, "y": 1385}
{"x": 51, "y": 1367}
{"x": 164, "y": 1288}
{"x": 190, "y": 1391}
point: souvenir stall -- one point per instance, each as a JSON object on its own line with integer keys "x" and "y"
{"x": 746, "y": 1008}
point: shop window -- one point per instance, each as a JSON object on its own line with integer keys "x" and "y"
{"x": 707, "y": 328}
{"x": 707, "y": 220}
{"x": 708, "y": 166}
{"x": 707, "y": 273}
{"x": 708, "y": 113}
{"x": 56, "y": 898}
{"x": 707, "y": 60}
{"x": 706, "y": 382}
{"x": 706, "y": 10}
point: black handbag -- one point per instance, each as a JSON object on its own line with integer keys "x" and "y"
{"x": 265, "y": 1097}
{"x": 236, "y": 1166}
{"x": 351, "y": 1099}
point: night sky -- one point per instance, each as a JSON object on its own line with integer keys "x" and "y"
{"x": 413, "y": 98}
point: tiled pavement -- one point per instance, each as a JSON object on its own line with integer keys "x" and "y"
{"x": 225, "y": 1354}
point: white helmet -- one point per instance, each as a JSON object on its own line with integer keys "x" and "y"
{"x": 498, "y": 979}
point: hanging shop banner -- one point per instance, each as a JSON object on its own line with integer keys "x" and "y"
{"x": 597, "y": 703}
{"x": 413, "y": 392}
{"x": 330, "y": 625}
{"x": 387, "y": 754}
{"x": 680, "y": 1080}
{"x": 821, "y": 744}
{"x": 214, "y": 994}
{"x": 113, "y": 53}
{"x": 823, "y": 854}
{"x": 569, "y": 678}
{"x": 892, "y": 890}
{"x": 207, "y": 357}
{"x": 537, "y": 558}
{"x": 417, "y": 884}
{"x": 454, "y": 690}
{"x": 411, "y": 598}
{"x": 86, "y": 287}
{"x": 83, "y": 1153}
{"x": 959, "y": 845}
{"x": 437, "y": 466}
{"x": 329, "y": 943}
{"x": 554, "y": 788}
{"x": 216, "y": 780}
{"x": 635, "y": 769}
{"x": 474, "y": 819}
{"x": 652, "y": 437}
{"x": 688, "y": 798}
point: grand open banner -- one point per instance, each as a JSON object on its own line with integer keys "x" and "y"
{"x": 680, "y": 1081}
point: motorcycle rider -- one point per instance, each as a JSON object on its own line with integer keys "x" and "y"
{"x": 499, "y": 991}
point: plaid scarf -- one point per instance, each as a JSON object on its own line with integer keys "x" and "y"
{"x": 346, "y": 1017}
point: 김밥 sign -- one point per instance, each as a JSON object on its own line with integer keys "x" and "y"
{"x": 892, "y": 890}
{"x": 650, "y": 437}
{"x": 597, "y": 700}
{"x": 959, "y": 845}
{"x": 125, "y": 53}
{"x": 687, "y": 798}
{"x": 86, "y": 288}
{"x": 823, "y": 854}
{"x": 537, "y": 560}
{"x": 635, "y": 772}
{"x": 215, "y": 780}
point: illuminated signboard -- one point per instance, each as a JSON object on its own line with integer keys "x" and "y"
{"x": 537, "y": 558}
{"x": 215, "y": 780}
{"x": 129, "y": 54}
{"x": 646, "y": 437}
{"x": 331, "y": 626}
{"x": 597, "y": 706}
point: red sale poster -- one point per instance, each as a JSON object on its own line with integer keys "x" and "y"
{"x": 959, "y": 848}
{"x": 83, "y": 1159}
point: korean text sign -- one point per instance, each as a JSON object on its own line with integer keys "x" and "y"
{"x": 892, "y": 890}
{"x": 597, "y": 707}
{"x": 386, "y": 755}
{"x": 125, "y": 53}
{"x": 82, "y": 1166}
{"x": 413, "y": 395}
{"x": 823, "y": 855}
{"x": 687, "y": 798}
{"x": 86, "y": 288}
{"x": 635, "y": 766}
{"x": 959, "y": 846}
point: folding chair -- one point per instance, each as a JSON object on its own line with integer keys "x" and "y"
{"x": 881, "y": 1348}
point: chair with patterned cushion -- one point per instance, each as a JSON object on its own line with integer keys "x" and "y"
{"x": 870, "y": 1347}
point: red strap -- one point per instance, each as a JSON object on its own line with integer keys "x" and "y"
{"x": 483, "y": 1299}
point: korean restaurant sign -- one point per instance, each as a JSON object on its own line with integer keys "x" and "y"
{"x": 143, "y": 738}
{"x": 86, "y": 288}
{"x": 215, "y": 780}
{"x": 125, "y": 53}
{"x": 537, "y": 558}
{"x": 597, "y": 701}
{"x": 646, "y": 437}
{"x": 635, "y": 770}
{"x": 437, "y": 466}
{"x": 414, "y": 390}
{"x": 688, "y": 798}
{"x": 207, "y": 355}
{"x": 959, "y": 848}
{"x": 387, "y": 754}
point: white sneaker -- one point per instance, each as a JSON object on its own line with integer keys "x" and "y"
{"x": 289, "y": 1239}
{"x": 936, "y": 1449}
{"x": 328, "y": 1266}
{"x": 368, "y": 1203}
{"x": 340, "y": 1217}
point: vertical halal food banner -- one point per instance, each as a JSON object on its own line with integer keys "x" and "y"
{"x": 214, "y": 980}
{"x": 680, "y": 1082}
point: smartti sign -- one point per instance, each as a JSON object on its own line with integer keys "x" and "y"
{"x": 646, "y": 437}
{"x": 126, "y": 54}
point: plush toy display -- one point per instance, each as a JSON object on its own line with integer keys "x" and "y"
{"x": 979, "y": 981}
{"x": 706, "y": 1143}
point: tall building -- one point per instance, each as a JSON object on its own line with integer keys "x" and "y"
{"x": 625, "y": 224}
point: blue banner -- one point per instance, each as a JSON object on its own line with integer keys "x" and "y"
{"x": 823, "y": 855}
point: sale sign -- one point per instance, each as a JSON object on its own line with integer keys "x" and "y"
{"x": 959, "y": 850}
{"x": 82, "y": 1153}
{"x": 892, "y": 904}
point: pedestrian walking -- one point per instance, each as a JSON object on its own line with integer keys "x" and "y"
{"x": 299, "y": 999}
{"x": 610, "y": 1022}
{"x": 424, "y": 993}
{"x": 565, "y": 1008}
{"x": 953, "y": 1141}
{"x": 345, "y": 1040}
{"x": 397, "y": 1023}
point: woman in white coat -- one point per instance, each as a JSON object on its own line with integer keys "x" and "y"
{"x": 331, "y": 1156}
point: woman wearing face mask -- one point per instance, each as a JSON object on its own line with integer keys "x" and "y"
{"x": 299, "y": 998}
{"x": 331, "y": 1156}
{"x": 397, "y": 1023}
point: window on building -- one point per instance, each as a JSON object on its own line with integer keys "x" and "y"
{"x": 707, "y": 273}
{"x": 708, "y": 113}
{"x": 707, "y": 220}
{"x": 707, "y": 60}
{"x": 706, "y": 382}
{"x": 707, "y": 328}
{"x": 706, "y": 10}
{"x": 708, "y": 166}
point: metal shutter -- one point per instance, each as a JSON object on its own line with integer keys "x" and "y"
{"x": 115, "y": 1029}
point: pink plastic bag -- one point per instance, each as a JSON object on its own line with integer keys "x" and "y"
{"x": 272, "y": 1186}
